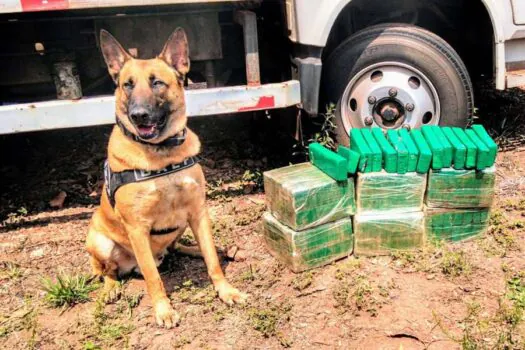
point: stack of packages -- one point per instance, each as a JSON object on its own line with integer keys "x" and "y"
{"x": 461, "y": 182}
{"x": 400, "y": 188}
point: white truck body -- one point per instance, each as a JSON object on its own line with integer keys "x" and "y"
{"x": 309, "y": 24}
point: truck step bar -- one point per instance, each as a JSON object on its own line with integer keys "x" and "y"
{"x": 60, "y": 114}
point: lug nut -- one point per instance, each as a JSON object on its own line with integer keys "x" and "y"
{"x": 406, "y": 126}
{"x": 392, "y": 92}
{"x": 369, "y": 121}
{"x": 371, "y": 99}
{"x": 409, "y": 107}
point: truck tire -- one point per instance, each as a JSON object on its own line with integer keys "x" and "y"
{"x": 393, "y": 76}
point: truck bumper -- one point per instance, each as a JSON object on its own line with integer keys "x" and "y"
{"x": 60, "y": 114}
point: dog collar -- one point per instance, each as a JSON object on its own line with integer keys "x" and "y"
{"x": 115, "y": 180}
{"x": 173, "y": 141}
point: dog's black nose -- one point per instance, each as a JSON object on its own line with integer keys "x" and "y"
{"x": 140, "y": 115}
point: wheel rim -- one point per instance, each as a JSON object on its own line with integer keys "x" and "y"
{"x": 390, "y": 95}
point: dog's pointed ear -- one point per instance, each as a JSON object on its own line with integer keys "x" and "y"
{"x": 114, "y": 54}
{"x": 176, "y": 52}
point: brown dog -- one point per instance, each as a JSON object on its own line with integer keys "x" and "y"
{"x": 136, "y": 224}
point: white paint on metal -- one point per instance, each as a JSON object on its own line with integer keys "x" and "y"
{"x": 8, "y": 6}
{"x": 518, "y": 9}
{"x": 59, "y": 114}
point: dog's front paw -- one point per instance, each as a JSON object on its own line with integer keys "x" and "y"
{"x": 165, "y": 315}
{"x": 112, "y": 290}
{"x": 231, "y": 295}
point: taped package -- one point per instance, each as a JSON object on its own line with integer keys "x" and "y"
{"x": 387, "y": 233}
{"x": 301, "y": 196}
{"x": 455, "y": 224}
{"x": 303, "y": 250}
{"x": 451, "y": 188}
{"x": 383, "y": 193}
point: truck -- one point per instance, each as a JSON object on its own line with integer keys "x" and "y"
{"x": 386, "y": 63}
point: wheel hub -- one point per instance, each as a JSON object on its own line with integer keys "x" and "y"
{"x": 389, "y": 95}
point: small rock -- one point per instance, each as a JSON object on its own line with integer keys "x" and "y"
{"x": 232, "y": 251}
{"x": 37, "y": 253}
{"x": 431, "y": 276}
{"x": 58, "y": 201}
{"x": 241, "y": 255}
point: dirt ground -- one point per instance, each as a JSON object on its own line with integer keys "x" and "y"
{"x": 469, "y": 295}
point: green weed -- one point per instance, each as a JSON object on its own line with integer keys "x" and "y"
{"x": 68, "y": 290}
{"x": 268, "y": 319}
{"x": 302, "y": 281}
{"x": 455, "y": 264}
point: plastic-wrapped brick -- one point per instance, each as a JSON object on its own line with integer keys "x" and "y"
{"x": 303, "y": 250}
{"x": 455, "y": 224}
{"x": 451, "y": 188}
{"x": 302, "y": 196}
{"x": 387, "y": 233}
{"x": 378, "y": 193}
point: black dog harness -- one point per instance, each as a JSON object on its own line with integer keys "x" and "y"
{"x": 115, "y": 180}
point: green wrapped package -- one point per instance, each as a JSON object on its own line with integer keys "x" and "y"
{"x": 488, "y": 141}
{"x": 383, "y": 193}
{"x": 352, "y": 158}
{"x": 483, "y": 159}
{"x": 413, "y": 153}
{"x": 470, "y": 161}
{"x": 377, "y": 156}
{"x": 302, "y": 196}
{"x": 447, "y": 147}
{"x": 303, "y": 250}
{"x": 331, "y": 163}
{"x": 451, "y": 188}
{"x": 389, "y": 153}
{"x": 425, "y": 154}
{"x": 455, "y": 224}
{"x": 459, "y": 151}
{"x": 359, "y": 145}
{"x": 402, "y": 153}
{"x": 384, "y": 234}
{"x": 435, "y": 146}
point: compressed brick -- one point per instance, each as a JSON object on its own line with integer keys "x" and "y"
{"x": 359, "y": 145}
{"x": 383, "y": 193}
{"x": 402, "y": 153}
{"x": 451, "y": 188}
{"x": 455, "y": 224}
{"x": 375, "y": 150}
{"x": 483, "y": 158}
{"x": 488, "y": 141}
{"x": 413, "y": 153}
{"x": 425, "y": 154}
{"x": 459, "y": 150}
{"x": 331, "y": 163}
{"x": 303, "y": 250}
{"x": 389, "y": 153}
{"x": 384, "y": 234}
{"x": 447, "y": 147}
{"x": 472, "y": 151}
{"x": 435, "y": 147}
{"x": 351, "y": 157}
{"x": 302, "y": 196}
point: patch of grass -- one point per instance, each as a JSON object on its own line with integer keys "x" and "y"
{"x": 496, "y": 331}
{"x": 325, "y": 136}
{"x": 268, "y": 319}
{"x": 501, "y": 234}
{"x": 26, "y": 319}
{"x": 189, "y": 293}
{"x": 249, "y": 215}
{"x": 514, "y": 204}
{"x": 106, "y": 329}
{"x": 11, "y": 271}
{"x": 455, "y": 264}
{"x": 355, "y": 292}
{"x": 128, "y": 302}
{"x": 89, "y": 345}
{"x": 303, "y": 281}
{"x": 68, "y": 290}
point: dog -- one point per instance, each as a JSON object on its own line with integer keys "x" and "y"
{"x": 154, "y": 188}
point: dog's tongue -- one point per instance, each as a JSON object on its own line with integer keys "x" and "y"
{"x": 146, "y": 129}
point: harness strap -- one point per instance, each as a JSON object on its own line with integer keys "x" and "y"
{"x": 173, "y": 141}
{"x": 115, "y": 180}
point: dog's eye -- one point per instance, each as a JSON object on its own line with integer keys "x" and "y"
{"x": 158, "y": 83}
{"x": 128, "y": 85}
